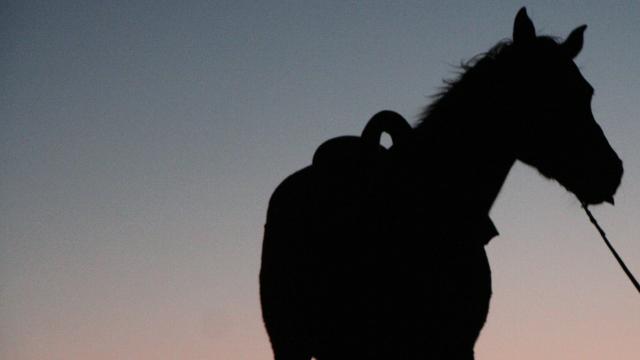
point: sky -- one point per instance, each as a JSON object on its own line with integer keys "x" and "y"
{"x": 140, "y": 142}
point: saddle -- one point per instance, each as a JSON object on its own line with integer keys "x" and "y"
{"x": 368, "y": 184}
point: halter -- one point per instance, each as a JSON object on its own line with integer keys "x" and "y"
{"x": 613, "y": 251}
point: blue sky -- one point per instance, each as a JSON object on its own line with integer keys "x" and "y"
{"x": 140, "y": 142}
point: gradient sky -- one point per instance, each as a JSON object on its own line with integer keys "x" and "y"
{"x": 140, "y": 142}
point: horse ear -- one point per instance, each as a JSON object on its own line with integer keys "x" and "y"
{"x": 574, "y": 42}
{"x": 523, "y": 29}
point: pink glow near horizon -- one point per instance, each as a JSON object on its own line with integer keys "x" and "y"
{"x": 140, "y": 142}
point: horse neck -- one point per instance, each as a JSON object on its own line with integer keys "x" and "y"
{"x": 468, "y": 155}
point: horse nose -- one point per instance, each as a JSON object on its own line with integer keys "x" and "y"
{"x": 615, "y": 177}
{"x": 620, "y": 167}
{"x": 618, "y": 170}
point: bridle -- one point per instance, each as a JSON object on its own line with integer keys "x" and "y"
{"x": 399, "y": 130}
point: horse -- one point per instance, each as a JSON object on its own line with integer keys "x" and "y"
{"x": 379, "y": 254}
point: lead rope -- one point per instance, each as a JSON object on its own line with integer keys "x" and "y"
{"x": 613, "y": 251}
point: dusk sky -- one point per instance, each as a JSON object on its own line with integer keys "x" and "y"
{"x": 140, "y": 142}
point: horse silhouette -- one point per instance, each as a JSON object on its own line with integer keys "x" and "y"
{"x": 374, "y": 253}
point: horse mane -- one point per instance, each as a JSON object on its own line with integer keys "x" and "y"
{"x": 471, "y": 75}
{"x": 468, "y": 76}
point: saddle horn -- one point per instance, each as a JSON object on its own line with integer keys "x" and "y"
{"x": 386, "y": 121}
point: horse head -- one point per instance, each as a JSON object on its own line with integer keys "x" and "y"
{"x": 554, "y": 128}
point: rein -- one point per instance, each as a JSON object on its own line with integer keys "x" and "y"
{"x": 613, "y": 251}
